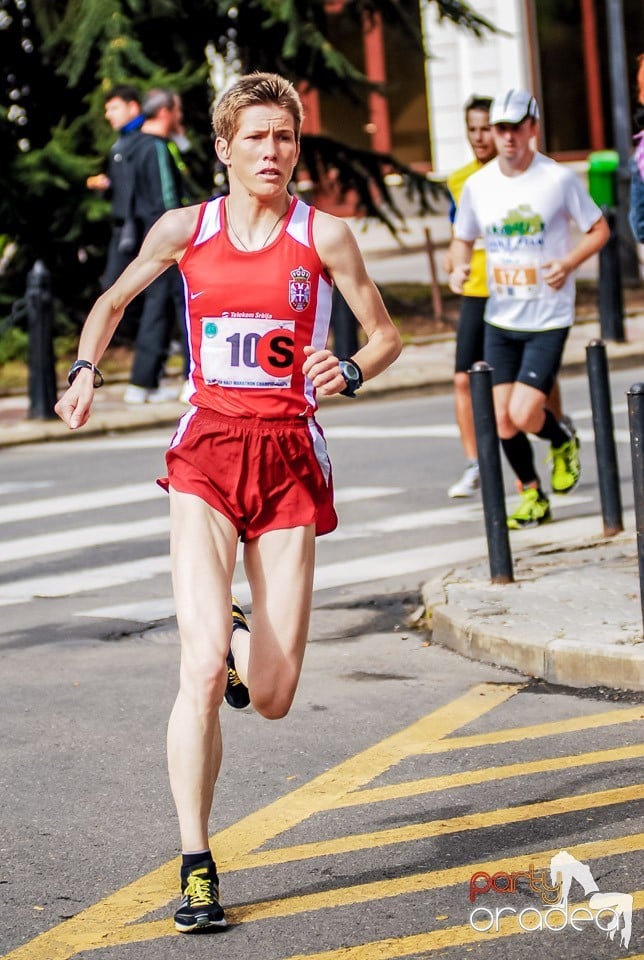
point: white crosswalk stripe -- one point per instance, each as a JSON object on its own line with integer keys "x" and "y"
{"x": 79, "y": 502}
{"x": 104, "y": 577}
{"x": 77, "y": 582}
{"x": 342, "y": 573}
{"x": 424, "y": 519}
{"x": 79, "y": 538}
{"x": 92, "y": 589}
{"x": 438, "y": 432}
{"x": 367, "y": 569}
{"x": 137, "y": 493}
{"x": 362, "y": 570}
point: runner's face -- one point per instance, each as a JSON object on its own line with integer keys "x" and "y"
{"x": 479, "y": 133}
{"x": 119, "y": 112}
{"x": 263, "y": 152}
{"x": 512, "y": 142}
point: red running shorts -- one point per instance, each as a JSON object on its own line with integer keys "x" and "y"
{"x": 261, "y": 474}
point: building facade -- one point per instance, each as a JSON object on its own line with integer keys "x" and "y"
{"x": 559, "y": 49}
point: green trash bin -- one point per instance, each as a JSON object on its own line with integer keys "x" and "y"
{"x": 602, "y": 177}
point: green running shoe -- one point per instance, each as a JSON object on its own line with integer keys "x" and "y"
{"x": 566, "y": 468}
{"x": 533, "y": 510}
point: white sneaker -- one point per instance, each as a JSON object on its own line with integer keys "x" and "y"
{"x": 135, "y": 395}
{"x": 468, "y": 484}
{"x": 162, "y": 395}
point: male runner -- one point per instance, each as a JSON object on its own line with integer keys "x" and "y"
{"x": 469, "y": 337}
{"x": 248, "y": 459}
{"x": 522, "y": 203}
{"x": 471, "y": 325}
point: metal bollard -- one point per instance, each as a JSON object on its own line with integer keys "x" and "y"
{"x": 611, "y": 295}
{"x": 344, "y": 326}
{"x": 605, "y": 451}
{"x": 492, "y": 492}
{"x": 42, "y": 367}
{"x": 636, "y": 424}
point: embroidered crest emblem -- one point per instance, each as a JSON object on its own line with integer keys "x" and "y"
{"x": 299, "y": 289}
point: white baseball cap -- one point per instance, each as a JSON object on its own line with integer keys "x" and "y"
{"x": 513, "y": 106}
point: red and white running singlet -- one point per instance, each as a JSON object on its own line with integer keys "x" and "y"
{"x": 251, "y": 313}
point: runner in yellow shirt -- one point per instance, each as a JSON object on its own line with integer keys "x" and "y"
{"x": 469, "y": 339}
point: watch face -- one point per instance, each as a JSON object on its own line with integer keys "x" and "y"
{"x": 353, "y": 377}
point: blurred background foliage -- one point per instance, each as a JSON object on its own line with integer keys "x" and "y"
{"x": 58, "y": 58}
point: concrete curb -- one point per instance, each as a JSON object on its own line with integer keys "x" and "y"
{"x": 557, "y": 661}
{"x": 550, "y": 623}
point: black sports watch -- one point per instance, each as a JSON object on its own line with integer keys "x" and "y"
{"x": 79, "y": 365}
{"x": 353, "y": 376}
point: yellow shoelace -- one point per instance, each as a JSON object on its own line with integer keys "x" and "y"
{"x": 199, "y": 889}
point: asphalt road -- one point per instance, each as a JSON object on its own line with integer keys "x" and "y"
{"x": 353, "y": 828}
{"x": 84, "y": 526}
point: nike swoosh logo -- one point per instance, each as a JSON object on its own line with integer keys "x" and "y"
{"x": 193, "y": 296}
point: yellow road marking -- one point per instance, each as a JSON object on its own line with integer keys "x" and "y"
{"x": 436, "y": 828}
{"x": 395, "y": 887}
{"x": 106, "y": 922}
{"x": 469, "y": 778}
{"x": 97, "y": 925}
{"x": 323, "y": 792}
{"x": 537, "y": 730}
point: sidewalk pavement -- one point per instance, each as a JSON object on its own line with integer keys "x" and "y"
{"x": 573, "y": 615}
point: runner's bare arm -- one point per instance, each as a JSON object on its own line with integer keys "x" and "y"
{"x": 555, "y": 272}
{"x": 341, "y": 256}
{"x": 163, "y": 246}
{"x": 461, "y": 254}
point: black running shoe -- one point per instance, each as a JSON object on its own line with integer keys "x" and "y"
{"x": 237, "y": 694}
{"x": 200, "y": 908}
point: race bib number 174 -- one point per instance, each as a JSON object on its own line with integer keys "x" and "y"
{"x": 520, "y": 282}
{"x": 247, "y": 352}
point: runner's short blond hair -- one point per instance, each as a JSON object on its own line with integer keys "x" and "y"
{"x": 249, "y": 91}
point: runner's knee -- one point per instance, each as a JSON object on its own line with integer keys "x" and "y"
{"x": 272, "y": 704}
{"x": 527, "y": 419}
{"x": 203, "y": 678}
{"x": 272, "y": 685}
{"x": 505, "y": 426}
{"x": 462, "y": 383}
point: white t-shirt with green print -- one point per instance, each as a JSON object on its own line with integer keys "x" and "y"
{"x": 525, "y": 222}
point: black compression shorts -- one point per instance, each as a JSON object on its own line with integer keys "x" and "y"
{"x": 528, "y": 357}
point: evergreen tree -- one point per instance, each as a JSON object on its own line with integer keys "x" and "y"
{"x": 59, "y": 57}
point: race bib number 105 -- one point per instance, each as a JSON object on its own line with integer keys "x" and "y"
{"x": 247, "y": 352}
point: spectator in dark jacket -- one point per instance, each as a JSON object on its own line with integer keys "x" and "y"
{"x": 123, "y": 113}
{"x": 157, "y": 186}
